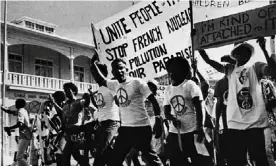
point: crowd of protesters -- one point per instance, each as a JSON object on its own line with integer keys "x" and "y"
{"x": 124, "y": 123}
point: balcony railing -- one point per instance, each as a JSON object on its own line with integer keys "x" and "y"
{"x": 46, "y": 83}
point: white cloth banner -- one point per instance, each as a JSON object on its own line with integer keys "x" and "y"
{"x": 146, "y": 35}
{"x": 220, "y": 3}
{"x": 219, "y": 8}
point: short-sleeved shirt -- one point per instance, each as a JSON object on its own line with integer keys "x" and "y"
{"x": 107, "y": 108}
{"x": 245, "y": 105}
{"x": 180, "y": 99}
{"x": 23, "y": 117}
{"x": 131, "y": 96}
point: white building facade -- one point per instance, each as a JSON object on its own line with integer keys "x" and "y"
{"x": 39, "y": 63}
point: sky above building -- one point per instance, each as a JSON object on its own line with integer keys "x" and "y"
{"x": 73, "y": 18}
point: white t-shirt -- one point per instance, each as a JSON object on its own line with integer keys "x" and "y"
{"x": 245, "y": 105}
{"x": 131, "y": 96}
{"x": 180, "y": 99}
{"x": 107, "y": 109}
{"x": 23, "y": 117}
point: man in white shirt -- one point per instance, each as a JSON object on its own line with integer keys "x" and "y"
{"x": 109, "y": 118}
{"x": 182, "y": 106}
{"x": 25, "y": 133}
{"x": 135, "y": 127}
{"x": 246, "y": 115}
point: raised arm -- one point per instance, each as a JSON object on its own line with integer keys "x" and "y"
{"x": 219, "y": 67}
{"x": 9, "y": 111}
{"x": 271, "y": 61}
{"x": 96, "y": 73}
{"x": 203, "y": 83}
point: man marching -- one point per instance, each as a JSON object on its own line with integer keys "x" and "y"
{"x": 135, "y": 127}
{"x": 25, "y": 133}
{"x": 109, "y": 118}
{"x": 246, "y": 115}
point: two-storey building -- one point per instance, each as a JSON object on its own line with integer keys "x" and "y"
{"x": 39, "y": 63}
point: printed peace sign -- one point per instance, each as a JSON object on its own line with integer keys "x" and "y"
{"x": 34, "y": 106}
{"x": 122, "y": 96}
{"x": 99, "y": 99}
{"x": 178, "y": 104}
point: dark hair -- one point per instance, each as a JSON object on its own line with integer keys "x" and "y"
{"x": 70, "y": 85}
{"x": 180, "y": 62}
{"x": 228, "y": 59}
{"x": 152, "y": 86}
{"x": 195, "y": 80}
{"x": 59, "y": 96}
{"x": 20, "y": 103}
{"x": 116, "y": 61}
{"x": 245, "y": 51}
{"x": 103, "y": 69}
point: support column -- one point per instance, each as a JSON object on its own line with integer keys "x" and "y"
{"x": 72, "y": 79}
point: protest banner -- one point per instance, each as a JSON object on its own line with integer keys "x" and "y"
{"x": 220, "y": 3}
{"x": 235, "y": 28}
{"x": 146, "y": 35}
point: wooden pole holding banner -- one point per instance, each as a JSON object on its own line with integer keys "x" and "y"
{"x": 192, "y": 34}
{"x": 272, "y": 38}
{"x": 94, "y": 38}
{"x": 179, "y": 135}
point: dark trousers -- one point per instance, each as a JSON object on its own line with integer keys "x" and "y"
{"x": 220, "y": 142}
{"x": 70, "y": 149}
{"x": 107, "y": 131}
{"x": 239, "y": 142}
{"x": 138, "y": 137}
{"x": 177, "y": 157}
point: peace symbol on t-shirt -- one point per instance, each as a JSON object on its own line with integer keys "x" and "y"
{"x": 122, "y": 96}
{"x": 244, "y": 99}
{"x": 99, "y": 100}
{"x": 178, "y": 104}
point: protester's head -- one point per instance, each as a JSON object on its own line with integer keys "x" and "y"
{"x": 103, "y": 69}
{"x": 70, "y": 88}
{"x": 152, "y": 84}
{"x": 242, "y": 53}
{"x": 178, "y": 69}
{"x": 59, "y": 97}
{"x": 227, "y": 59}
{"x": 119, "y": 69}
{"x": 20, "y": 103}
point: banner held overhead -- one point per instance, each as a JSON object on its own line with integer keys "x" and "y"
{"x": 146, "y": 35}
{"x": 237, "y": 27}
